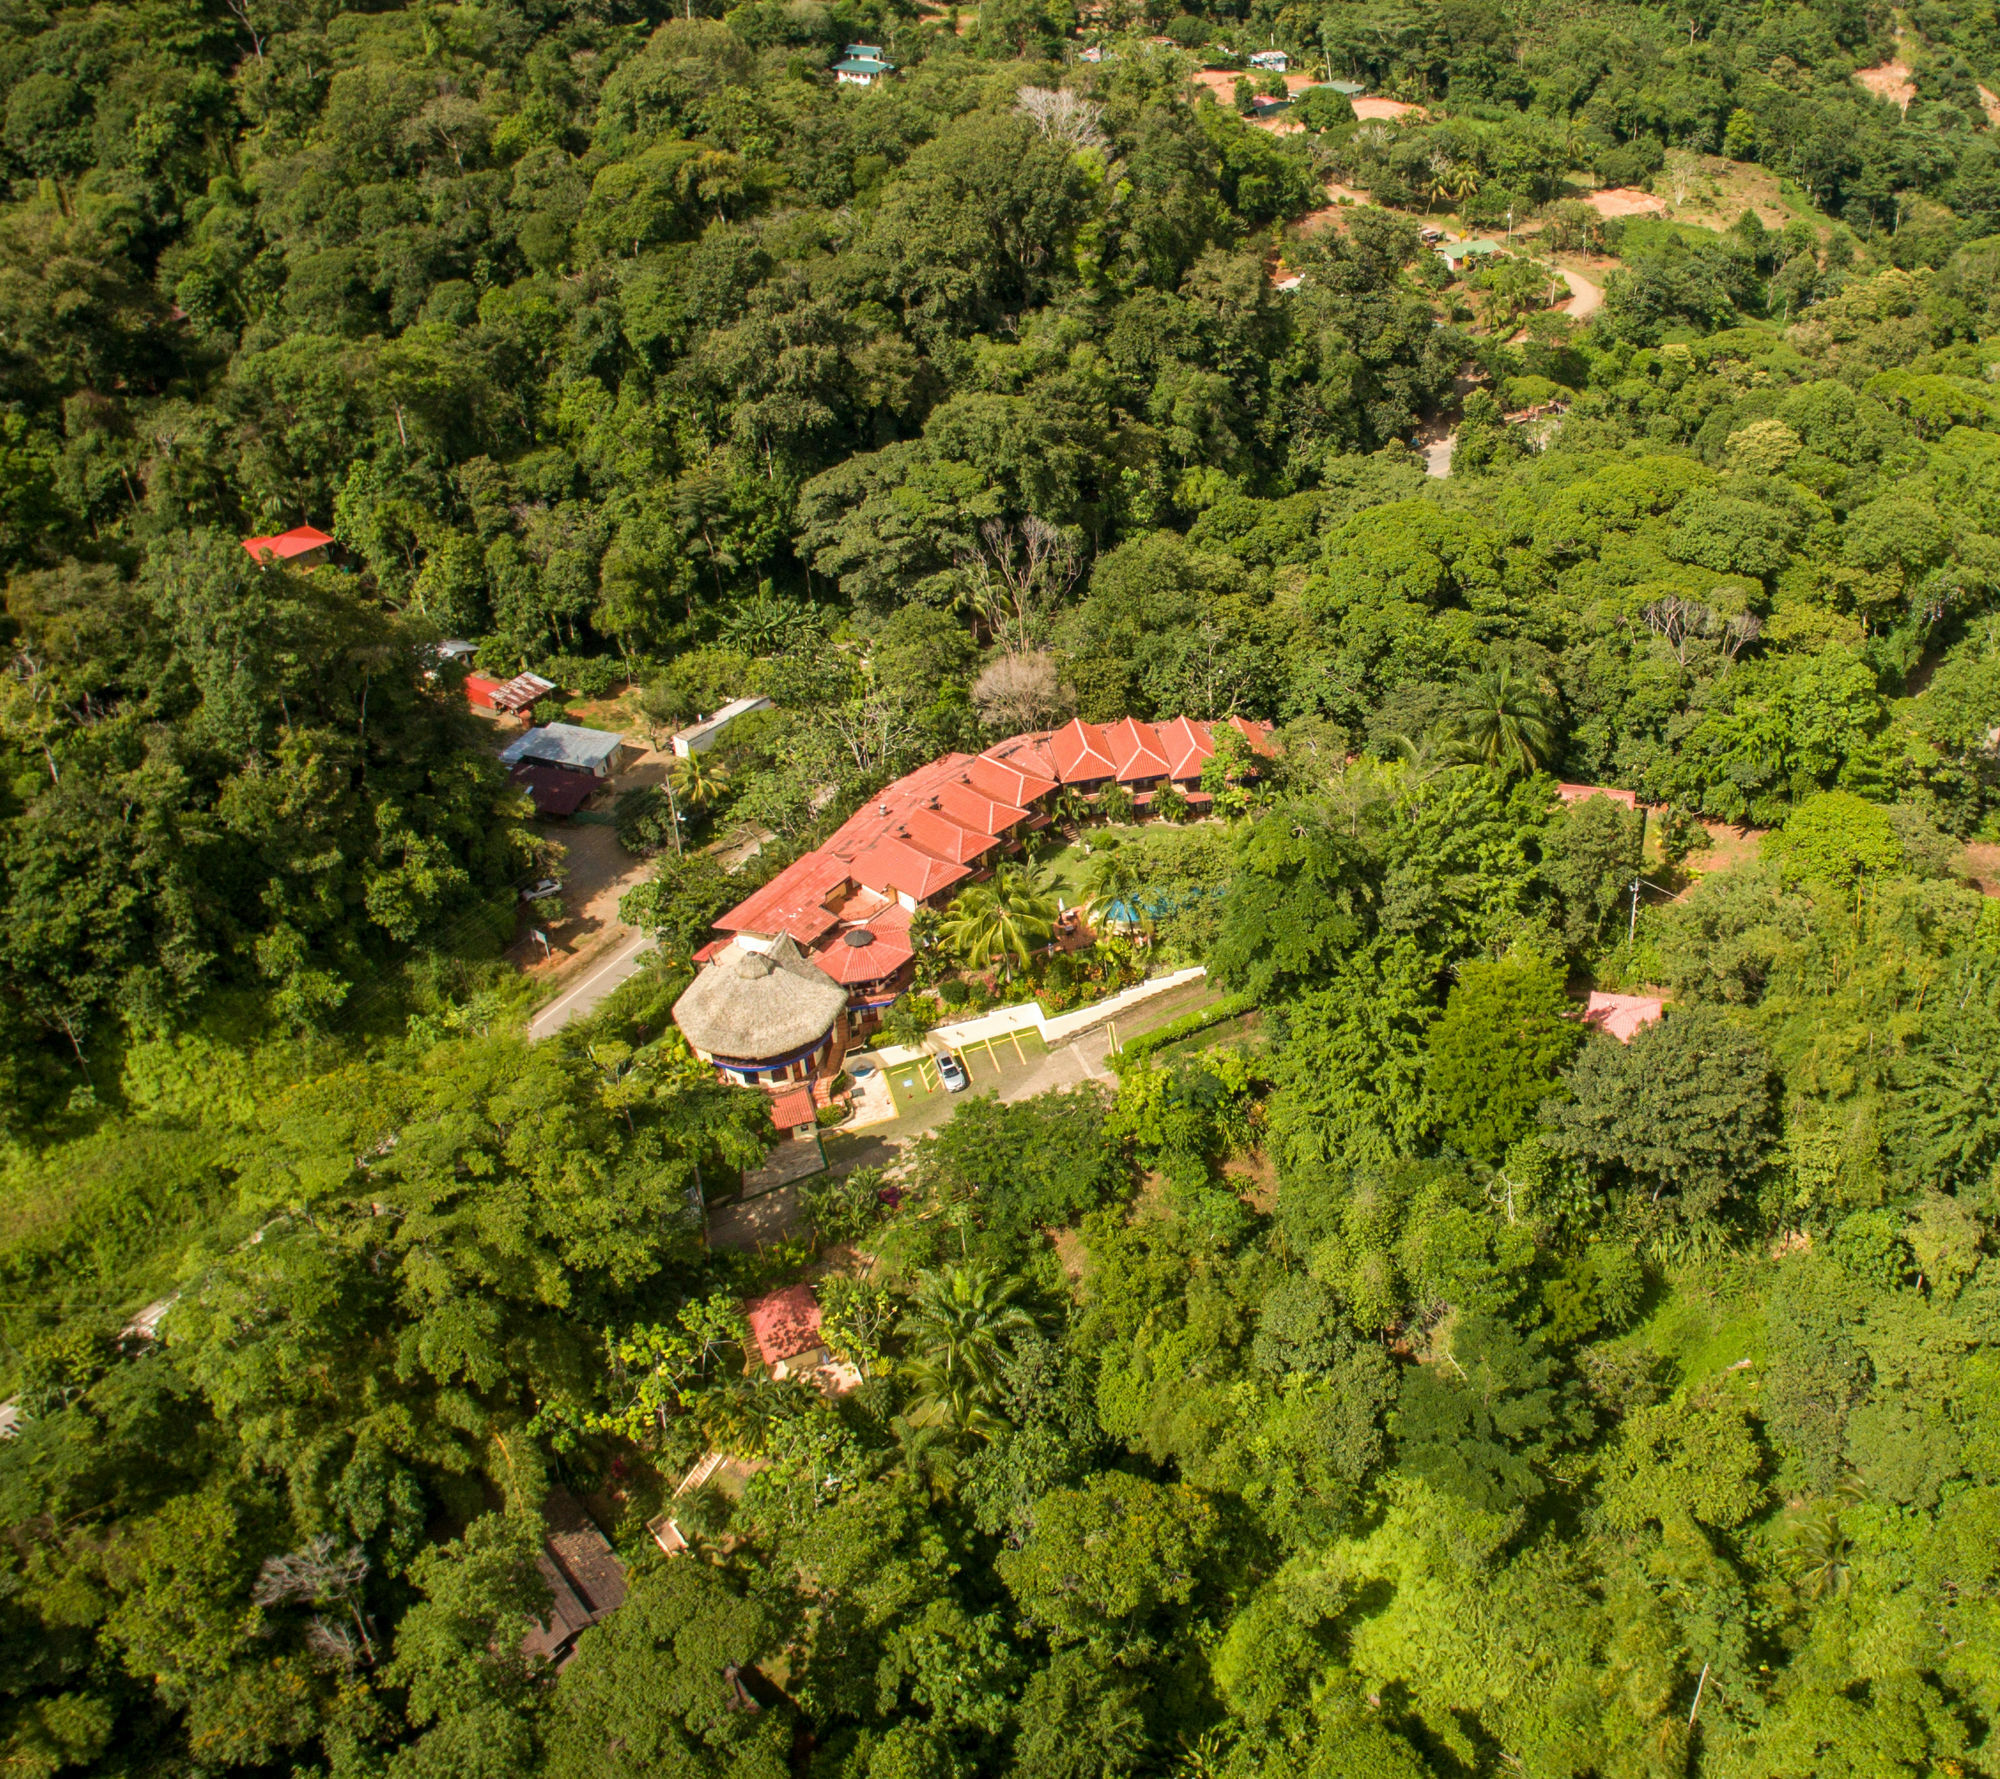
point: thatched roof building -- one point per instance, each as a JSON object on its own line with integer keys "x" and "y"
{"x": 761, "y": 1009}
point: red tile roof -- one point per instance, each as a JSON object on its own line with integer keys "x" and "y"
{"x": 790, "y": 1110}
{"x": 794, "y": 901}
{"x": 892, "y": 863}
{"x": 1015, "y": 770}
{"x": 1082, "y": 752}
{"x": 868, "y": 953}
{"x": 1135, "y": 747}
{"x": 1186, "y": 745}
{"x": 974, "y": 809}
{"x": 299, "y": 541}
{"x": 933, "y": 827}
{"x": 936, "y": 832}
{"x": 784, "y": 1324}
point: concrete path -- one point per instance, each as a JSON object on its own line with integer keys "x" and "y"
{"x": 603, "y": 973}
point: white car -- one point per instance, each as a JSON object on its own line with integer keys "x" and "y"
{"x": 952, "y": 1073}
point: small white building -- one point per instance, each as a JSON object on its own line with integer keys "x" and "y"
{"x": 862, "y": 65}
{"x": 1274, "y": 60}
{"x": 698, "y": 738}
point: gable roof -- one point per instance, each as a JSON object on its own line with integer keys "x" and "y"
{"x": 299, "y": 541}
{"x": 563, "y": 744}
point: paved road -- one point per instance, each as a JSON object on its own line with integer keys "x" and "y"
{"x": 601, "y": 974}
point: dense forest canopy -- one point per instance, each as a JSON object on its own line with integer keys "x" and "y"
{"x": 1378, "y": 1373}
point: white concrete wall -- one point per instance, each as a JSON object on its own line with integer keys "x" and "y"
{"x": 1028, "y": 1016}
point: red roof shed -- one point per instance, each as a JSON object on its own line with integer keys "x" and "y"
{"x": 783, "y": 1324}
{"x": 301, "y": 540}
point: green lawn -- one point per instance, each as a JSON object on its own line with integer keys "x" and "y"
{"x": 1065, "y": 866}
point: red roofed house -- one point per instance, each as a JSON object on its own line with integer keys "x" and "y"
{"x": 784, "y": 1328}
{"x": 302, "y": 547}
{"x": 845, "y": 907}
{"x": 1621, "y": 1016}
{"x": 1082, "y": 753}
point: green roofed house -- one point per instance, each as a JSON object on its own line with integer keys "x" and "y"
{"x": 1456, "y": 253}
{"x": 1352, "y": 89}
{"x": 862, "y": 65}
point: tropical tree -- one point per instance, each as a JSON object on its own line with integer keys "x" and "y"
{"x": 1004, "y": 920}
{"x": 958, "y": 1325}
{"x": 1071, "y": 809}
{"x": 1109, "y": 878}
{"x": 698, "y": 780}
{"x": 1504, "y": 721}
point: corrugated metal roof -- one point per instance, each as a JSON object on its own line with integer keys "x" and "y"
{"x": 563, "y": 744}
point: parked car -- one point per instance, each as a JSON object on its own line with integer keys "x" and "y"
{"x": 542, "y": 886}
{"x": 952, "y": 1073}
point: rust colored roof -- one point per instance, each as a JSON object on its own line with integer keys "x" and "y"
{"x": 784, "y": 1324}
{"x": 936, "y": 832}
{"x": 1082, "y": 751}
{"x": 870, "y": 951}
{"x": 975, "y": 810}
{"x": 1622, "y": 1016}
{"x": 1135, "y": 746}
{"x": 794, "y": 901}
{"x": 790, "y": 1110}
{"x": 1186, "y": 745}
{"x": 556, "y": 790}
{"x": 924, "y": 833}
{"x": 892, "y": 863}
{"x": 1016, "y": 770}
{"x": 301, "y": 540}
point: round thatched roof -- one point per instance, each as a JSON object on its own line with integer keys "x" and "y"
{"x": 755, "y": 1005}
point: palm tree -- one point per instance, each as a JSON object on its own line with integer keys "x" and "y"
{"x": 1109, "y": 878}
{"x": 1003, "y": 921}
{"x": 698, "y": 780}
{"x": 925, "y": 1457}
{"x": 1817, "y": 1557}
{"x": 1071, "y": 809}
{"x": 1503, "y": 721}
{"x": 956, "y": 1327}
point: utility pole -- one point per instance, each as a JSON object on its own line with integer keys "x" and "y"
{"x": 1632, "y": 926}
{"x": 673, "y": 809}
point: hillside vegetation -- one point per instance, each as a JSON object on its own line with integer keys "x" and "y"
{"x": 1383, "y": 1375}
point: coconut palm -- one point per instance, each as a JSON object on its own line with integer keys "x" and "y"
{"x": 957, "y": 1326}
{"x": 1003, "y": 921}
{"x": 1503, "y": 721}
{"x": 698, "y": 780}
{"x": 1108, "y": 878}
